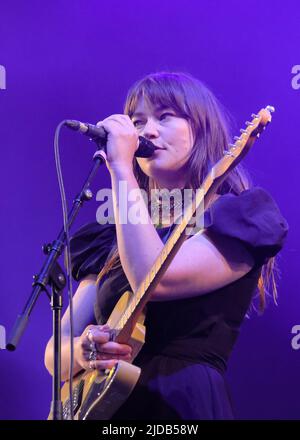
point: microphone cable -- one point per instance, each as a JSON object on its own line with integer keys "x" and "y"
{"x": 67, "y": 258}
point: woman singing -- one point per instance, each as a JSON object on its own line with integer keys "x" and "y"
{"x": 194, "y": 314}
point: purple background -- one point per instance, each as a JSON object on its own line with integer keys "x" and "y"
{"x": 76, "y": 60}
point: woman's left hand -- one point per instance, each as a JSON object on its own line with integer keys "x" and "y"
{"x": 122, "y": 140}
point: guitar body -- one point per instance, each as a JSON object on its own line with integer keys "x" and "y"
{"x": 97, "y": 395}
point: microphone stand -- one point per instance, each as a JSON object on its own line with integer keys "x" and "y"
{"x": 52, "y": 274}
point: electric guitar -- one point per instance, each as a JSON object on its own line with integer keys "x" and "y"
{"x": 98, "y": 395}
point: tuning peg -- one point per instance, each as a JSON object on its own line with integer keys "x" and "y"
{"x": 242, "y": 130}
{"x": 237, "y": 138}
{"x": 248, "y": 123}
{"x": 254, "y": 115}
{"x": 270, "y": 108}
{"x": 228, "y": 153}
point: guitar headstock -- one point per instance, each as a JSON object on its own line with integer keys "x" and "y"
{"x": 244, "y": 142}
{"x": 252, "y": 131}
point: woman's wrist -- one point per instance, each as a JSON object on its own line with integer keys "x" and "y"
{"x": 120, "y": 169}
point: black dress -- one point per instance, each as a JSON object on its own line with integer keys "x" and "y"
{"x": 188, "y": 341}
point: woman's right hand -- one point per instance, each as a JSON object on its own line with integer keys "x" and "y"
{"x": 94, "y": 350}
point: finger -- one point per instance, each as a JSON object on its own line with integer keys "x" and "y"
{"x": 115, "y": 120}
{"x": 86, "y": 357}
{"x": 95, "y": 330}
{"x": 108, "y": 356}
{"x": 95, "y": 334}
{"x": 100, "y": 337}
{"x": 115, "y": 116}
{"x": 102, "y": 365}
{"x": 114, "y": 348}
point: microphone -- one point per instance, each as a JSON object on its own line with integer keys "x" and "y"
{"x": 98, "y": 134}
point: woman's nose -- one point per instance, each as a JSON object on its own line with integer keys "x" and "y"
{"x": 150, "y": 129}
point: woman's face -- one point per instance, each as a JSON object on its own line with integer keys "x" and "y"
{"x": 173, "y": 135}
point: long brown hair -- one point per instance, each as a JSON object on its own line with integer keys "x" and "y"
{"x": 211, "y": 126}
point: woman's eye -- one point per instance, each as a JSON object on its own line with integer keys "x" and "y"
{"x": 165, "y": 115}
{"x": 137, "y": 123}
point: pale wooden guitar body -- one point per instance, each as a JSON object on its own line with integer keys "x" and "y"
{"x": 98, "y": 395}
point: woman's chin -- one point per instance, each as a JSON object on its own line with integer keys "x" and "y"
{"x": 157, "y": 168}
{"x": 164, "y": 176}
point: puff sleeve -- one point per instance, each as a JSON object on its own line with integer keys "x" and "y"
{"x": 90, "y": 246}
{"x": 252, "y": 217}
